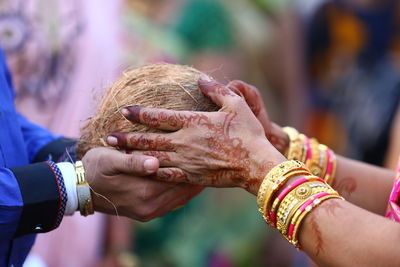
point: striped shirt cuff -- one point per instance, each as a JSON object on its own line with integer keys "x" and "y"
{"x": 44, "y": 197}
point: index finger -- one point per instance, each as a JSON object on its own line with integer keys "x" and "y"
{"x": 162, "y": 119}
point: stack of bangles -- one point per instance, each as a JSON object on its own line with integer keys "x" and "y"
{"x": 319, "y": 159}
{"x": 287, "y": 209}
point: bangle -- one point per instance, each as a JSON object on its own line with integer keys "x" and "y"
{"x": 318, "y": 158}
{"x": 85, "y": 203}
{"x": 274, "y": 180}
{"x": 296, "y": 148}
{"x": 297, "y": 220}
{"x": 331, "y": 167}
{"x": 294, "y": 200}
{"x": 288, "y": 189}
{"x": 273, "y": 176}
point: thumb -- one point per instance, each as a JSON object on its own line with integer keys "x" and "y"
{"x": 132, "y": 164}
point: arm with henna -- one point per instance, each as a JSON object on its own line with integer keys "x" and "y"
{"x": 364, "y": 185}
{"x": 229, "y": 149}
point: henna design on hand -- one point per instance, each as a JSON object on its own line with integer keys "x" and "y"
{"x": 144, "y": 143}
{"x": 273, "y": 132}
{"x": 172, "y": 175}
{"x": 223, "y": 149}
{"x": 172, "y": 119}
{"x": 215, "y": 88}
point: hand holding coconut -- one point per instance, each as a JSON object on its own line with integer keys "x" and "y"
{"x": 119, "y": 179}
{"x": 227, "y": 148}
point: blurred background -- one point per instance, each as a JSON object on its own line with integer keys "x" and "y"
{"x": 327, "y": 67}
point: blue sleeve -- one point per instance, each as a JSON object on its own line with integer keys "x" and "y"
{"x": 35, "y": 136}
{"x": 33, "y": 199}
{"x": 10, "y": 204}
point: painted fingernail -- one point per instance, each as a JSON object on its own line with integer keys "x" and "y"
{"x": 150, "y": 165}
{"x": 121, "y": 139}
{"x": 205, "y": 78}
{"x": 112, "y": 140}
{"x": 131, "y": 113}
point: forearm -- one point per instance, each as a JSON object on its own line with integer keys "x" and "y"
{"x": 338, "y": 233}
{"x": 364, "y": 185}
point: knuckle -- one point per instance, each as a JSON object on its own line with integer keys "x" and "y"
{"x": 133, "y": 163}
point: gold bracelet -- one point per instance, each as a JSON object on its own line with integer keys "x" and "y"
{"x": 274, "y": 180}
{"x": 301, "y": 217}
{"x": 296, "y": 146}
{"x": 85, "y": 203}
{"x": 273, "y": 175}
{"x": 316, "y": 162}
{"x": 329, "y": 177}
{"x": 278, "y": 201}
{"x": 302, "y": 193}
{"x": 269, "y": 196}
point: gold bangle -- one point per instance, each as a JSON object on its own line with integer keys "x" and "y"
{"x": 305, "y": 148}
{"x": 301, "y": 217}
{"x": 269, "y": 196}
{"x": 294, "y": 200}
{"x": 301, "y": 193}
{"x": 315, "y": 164}
{"x": 278, "y": 201}
{"x": 273, "y": 175}
{"x": 274, "y": 180}
{"x": 85, "y": 203}
{"x": 329, "y": 178}
{"x": 296, "y": 145}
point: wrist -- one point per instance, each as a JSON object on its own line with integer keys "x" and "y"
{"x": 264, "y": 160}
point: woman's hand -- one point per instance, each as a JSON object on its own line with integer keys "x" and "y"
{"x": 278, "y": 138}
{"x": 221, "y": 149}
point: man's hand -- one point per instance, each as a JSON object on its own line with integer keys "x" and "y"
{"x": 278, "y": 138}
{"x": 222, "y": 149}
{"x": 120, "y": 179}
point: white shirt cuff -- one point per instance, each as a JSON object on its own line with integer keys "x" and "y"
{"x": 69, "y": 175}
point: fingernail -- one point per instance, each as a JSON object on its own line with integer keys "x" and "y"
{"x": 151, "y": 165}
{"x": 112, "y": 140}
{"x": 205, "y": 78}
{"x": 120, "y": 138}
{"x": 131, "y": 113}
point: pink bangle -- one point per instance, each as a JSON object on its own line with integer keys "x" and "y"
{"x": 302, "y": 208}
{"x": 308, "y": 147}
{"x": 286, "y": 191}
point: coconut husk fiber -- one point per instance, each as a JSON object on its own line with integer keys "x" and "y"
{"x": 158, "y": 85}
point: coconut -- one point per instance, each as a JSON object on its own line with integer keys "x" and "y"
{"x": 160, "y": 85}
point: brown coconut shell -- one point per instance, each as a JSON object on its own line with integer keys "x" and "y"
{"x": 158, "y": 85}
